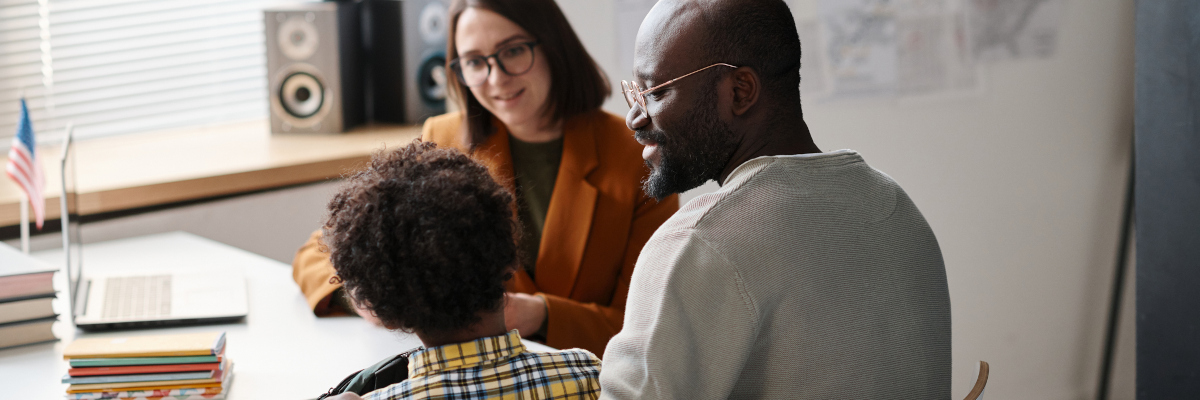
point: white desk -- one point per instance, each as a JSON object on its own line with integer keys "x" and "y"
{"x": 280, "y": 351}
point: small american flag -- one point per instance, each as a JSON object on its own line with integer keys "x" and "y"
{"x": 23, "y": 167}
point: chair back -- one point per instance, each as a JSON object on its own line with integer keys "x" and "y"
{"x": 981, "y": 370}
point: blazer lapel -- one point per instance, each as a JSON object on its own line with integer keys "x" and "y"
{"x": 569, "y": 219}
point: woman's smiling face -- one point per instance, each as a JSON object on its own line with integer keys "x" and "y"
{"x": 515, "y": 100}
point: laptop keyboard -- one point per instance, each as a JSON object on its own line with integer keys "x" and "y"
{"x": 137, "y": 296}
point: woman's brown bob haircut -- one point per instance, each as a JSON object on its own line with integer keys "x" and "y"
{"x": 577, "y": 85}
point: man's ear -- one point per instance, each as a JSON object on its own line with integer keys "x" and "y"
{"x": 746, "y": 88}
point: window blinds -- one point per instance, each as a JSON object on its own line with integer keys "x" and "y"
{"x": 20, "y": 64}
{"x": 124, "y": 66}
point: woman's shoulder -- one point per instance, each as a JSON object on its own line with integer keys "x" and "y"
{"x": 613, "y": 138}
{"x": 445, "y": 129}
{"x": 608, "y": 123}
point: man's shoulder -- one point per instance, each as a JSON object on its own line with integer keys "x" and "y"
{"x": 781, "y": 192}
{"x": 717, "y": 205}
{"x": 838, "y": 184}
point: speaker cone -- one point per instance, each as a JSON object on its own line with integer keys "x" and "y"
{"x": 301, "y": 94}
{"x": 431, "y": 81}
{"x": 298, "y": 38}
{"x": 433, "y": 23}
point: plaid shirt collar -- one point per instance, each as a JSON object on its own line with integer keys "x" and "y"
{"x": 484, "y": 351}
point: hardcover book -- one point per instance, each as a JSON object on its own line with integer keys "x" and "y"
{"x": 26, "y": 309}
{"x": 22, "y": 276}
{"x": 188, "y": 344}
{"x": 27, "y": 332}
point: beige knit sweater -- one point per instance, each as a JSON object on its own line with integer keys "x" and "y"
{"x": 803, "y": 277}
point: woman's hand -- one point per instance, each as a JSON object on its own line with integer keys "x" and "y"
{"x": 345, "y": 396}
{"x": 523, "y": 312}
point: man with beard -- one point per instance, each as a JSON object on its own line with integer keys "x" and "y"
{"x": 809, "y": 274}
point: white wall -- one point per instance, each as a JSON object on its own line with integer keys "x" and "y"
{"x": 1022, "y": 183}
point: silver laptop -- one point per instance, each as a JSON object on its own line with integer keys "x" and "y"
{"x": 142, "y": 299}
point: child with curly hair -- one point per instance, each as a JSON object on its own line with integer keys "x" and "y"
{"x": 424, "y": 240}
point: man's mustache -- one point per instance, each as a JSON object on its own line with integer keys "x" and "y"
{"x": 650, "y": 135}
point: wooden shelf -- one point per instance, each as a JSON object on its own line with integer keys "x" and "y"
{"x": 132, "y": 171}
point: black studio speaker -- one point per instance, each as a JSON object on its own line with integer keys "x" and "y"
{"x": 315, "y": 72}
{"x": 405, "y": 43}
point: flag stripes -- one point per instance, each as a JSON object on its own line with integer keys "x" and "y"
{"x": 23, "y": 167}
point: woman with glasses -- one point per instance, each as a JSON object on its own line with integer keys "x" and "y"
{"x": 530, "y": 97}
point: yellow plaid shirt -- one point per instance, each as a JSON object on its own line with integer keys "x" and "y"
{"x": 496, "y": 367}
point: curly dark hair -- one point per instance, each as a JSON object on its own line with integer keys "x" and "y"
{"x": 424, "y": 238}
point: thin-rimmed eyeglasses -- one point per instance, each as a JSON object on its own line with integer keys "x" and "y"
{"x": 634, "y": 93}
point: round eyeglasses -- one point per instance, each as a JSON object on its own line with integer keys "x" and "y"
{"x": 514, "y": 59}
{"x": 635, "y": 95}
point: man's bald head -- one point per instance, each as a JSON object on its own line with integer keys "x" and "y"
{"x": 760, "y": 34}
{"x": 701, "y": 128}
{"x": 668, "y": 39}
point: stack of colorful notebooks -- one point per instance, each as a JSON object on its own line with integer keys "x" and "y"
{"x": 166, "y": 367}
{"x": 26, "y": 294}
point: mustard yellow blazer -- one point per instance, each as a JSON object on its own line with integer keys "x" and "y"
{"x": 596, "y": 225}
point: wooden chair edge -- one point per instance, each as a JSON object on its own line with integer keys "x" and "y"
{"x": 980, "y": 382}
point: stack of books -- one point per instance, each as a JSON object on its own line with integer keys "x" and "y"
{"x": 166, "y": 367}
{"x": 26, "y": 294}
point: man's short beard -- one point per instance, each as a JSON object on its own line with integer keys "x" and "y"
{"x": 696, "y": 152}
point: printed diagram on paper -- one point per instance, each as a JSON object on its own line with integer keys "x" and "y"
{"x": 904, "y": 48}
{"x": 889, "y": 48}
{"x": 861, "y": 49}
{"x": 931, "y": 51}
{"x": 1014, "y": 29}
{"x": 898, "y": 48}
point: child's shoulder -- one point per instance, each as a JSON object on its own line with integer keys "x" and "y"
{"x": 578, "y": 358}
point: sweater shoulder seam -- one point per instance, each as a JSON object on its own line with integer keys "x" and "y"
{"x": 743, "y": 292}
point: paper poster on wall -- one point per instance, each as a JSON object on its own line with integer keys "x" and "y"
{"x": 896, "y": 48}
{"x": 860, "y": 36}
{"x": 629, "y": 15}
{"x": 1013, "y": 29}
{"x": 932, "y": 53}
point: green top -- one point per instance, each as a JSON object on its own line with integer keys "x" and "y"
{"x": 535, "y": 167}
